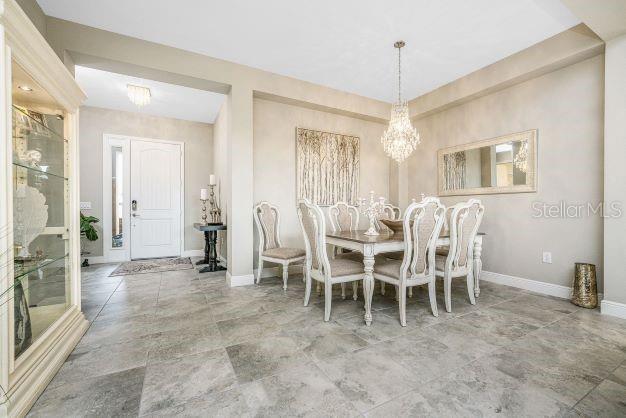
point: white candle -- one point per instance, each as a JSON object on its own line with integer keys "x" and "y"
{"x": 204, "y": 194}
{"x": 212, "y": 180}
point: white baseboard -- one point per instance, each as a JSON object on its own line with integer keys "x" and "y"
{"x": 97, "y": 259}
{"x": 559, "y": 291}
{"x": 192, "y": 253}
{"x": 241, "y": 280}
{"x": 613, "y": 308}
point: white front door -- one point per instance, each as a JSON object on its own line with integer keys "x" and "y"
{"x": 155, "y": 194}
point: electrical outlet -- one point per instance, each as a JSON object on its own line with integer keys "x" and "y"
{"x": 85, "y": 205}
{"x": 547, "y": 257}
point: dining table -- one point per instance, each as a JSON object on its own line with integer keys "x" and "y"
{"x": 388, "y": 241}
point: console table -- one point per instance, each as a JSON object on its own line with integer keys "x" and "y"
{"x": 210, "y": 251}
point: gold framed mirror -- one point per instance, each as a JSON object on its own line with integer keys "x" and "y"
{"x": 506, "y": 164}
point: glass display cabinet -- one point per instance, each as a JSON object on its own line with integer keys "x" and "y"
{"x": 40, "y": 315}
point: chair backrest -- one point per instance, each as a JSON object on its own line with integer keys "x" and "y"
{"x": 422, "y": 223}
{"x": 314, "y": 230}
{"x": 465, "y": 219}
{"x": 267, "y": 219}
{"x": 392, "y": 212}
{"x": 343, "y": 217}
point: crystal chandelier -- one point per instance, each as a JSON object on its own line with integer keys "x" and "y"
{"x": 138, "y": 95}
{"x": 521, "y": 158}
{"x": 400, "y": 138}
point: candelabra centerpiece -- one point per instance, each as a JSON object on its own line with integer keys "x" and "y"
{"x": 373, "y": 209}
{"x": 215, "y": 213}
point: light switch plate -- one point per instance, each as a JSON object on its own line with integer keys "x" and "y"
{"x": 547, "y": 257}
{"x": 85, "y": 205}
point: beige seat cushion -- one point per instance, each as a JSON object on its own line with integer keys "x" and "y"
{"x": 389, "y": 268}
{"x": 345, "y": 267}
{"x": 284, "y": 253}
{"x": 353, "y": 256}
{"x": 443, "y": 251}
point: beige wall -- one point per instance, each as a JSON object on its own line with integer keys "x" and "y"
{"x": 220, "y": 138}
{"x": 566, "y": 106}
{"x": 275, "y": 158}
{"x": 615, "y": 169}
{"x": 198, "y": 139}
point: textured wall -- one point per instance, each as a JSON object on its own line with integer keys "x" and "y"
{"x": 566, "y": 106}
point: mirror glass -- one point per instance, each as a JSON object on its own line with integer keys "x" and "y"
{"x": 500, "y": 165}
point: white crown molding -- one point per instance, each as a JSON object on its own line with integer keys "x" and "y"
{"x": 613, "y": 308}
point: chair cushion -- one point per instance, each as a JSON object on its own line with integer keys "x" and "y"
{"x": 284, "y": 253}
{"x": 442, "y": 251}
{"x": 389, "y": 268}
{"x": 353, "y": 256}
{"x": 345, "y": 267}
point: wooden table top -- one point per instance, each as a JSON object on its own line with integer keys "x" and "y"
{"x": 209, "y": 227}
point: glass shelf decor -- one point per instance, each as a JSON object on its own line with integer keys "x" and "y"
{"x": 41, "y": 273}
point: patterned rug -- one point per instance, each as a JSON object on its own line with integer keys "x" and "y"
{"x": 154, "y": 265}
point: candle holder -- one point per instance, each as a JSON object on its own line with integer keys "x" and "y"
{"x": 214, "y": 209}
{"x": 203, "y": 208}
{"x": 373, "y": 211}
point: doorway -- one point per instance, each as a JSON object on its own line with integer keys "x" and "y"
{"x": 143, "y": 198}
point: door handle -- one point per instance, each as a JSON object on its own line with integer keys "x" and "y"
{"x": 134, "y": 215}
{"x": 133, "y": 205}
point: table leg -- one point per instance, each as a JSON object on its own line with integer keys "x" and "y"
{"x": 368, "y": 282}
{"x": 207, "y": 245}
{"x": 478, "y": 264}
{"x": 211, "y": 254}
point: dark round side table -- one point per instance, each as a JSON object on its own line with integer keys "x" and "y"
{"x": 210, "y": 250}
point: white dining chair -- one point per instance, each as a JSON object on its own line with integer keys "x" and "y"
{"x": 317, "y": 265}
{"x": 418, "y": 264}
{"x": 344, "y": 217}
{"x": 457, "y": 261}
{"x": 267, "y": 219}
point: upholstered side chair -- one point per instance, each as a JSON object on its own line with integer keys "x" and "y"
{"x": 418, "y": 264}
{"x": 318, "y": 266}
{"x": 393, "y": 213}
{"x": 267, "y": 219}
{"x": 464, "y": 220}
{"x": 344, "y": 217}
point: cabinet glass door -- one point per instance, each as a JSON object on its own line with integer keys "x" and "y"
{"x": 41, "y": 263}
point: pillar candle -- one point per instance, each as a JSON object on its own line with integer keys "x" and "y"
{"x": 212, "y": 180}
{"x": 204, "y": 194}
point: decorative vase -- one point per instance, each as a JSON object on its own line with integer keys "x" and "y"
{"x": 585, "y": 291}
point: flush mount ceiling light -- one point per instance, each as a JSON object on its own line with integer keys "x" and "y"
{"x": 400, "y": 138}
{"x": 138, "y": 95}
{"x": 25, "y": 88}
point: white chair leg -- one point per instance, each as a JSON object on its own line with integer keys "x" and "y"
{"x": 382, "y": 288}
{"x": 355, "y": 290}
{"x": 470, "y": 288}
{"x": 303, "y": 273}
{"x": 307, "y": 289}
{"x": 402, "y": 304}
{"x": 432, "y": 295}
{"x": 259, "y": 271}
{"x": 285, "y": 275}
{"x": 447, "y": 290}
{"x": 328, "y": 296}
{"x": 411, "y": 291}
{"x": 343, "y": 290}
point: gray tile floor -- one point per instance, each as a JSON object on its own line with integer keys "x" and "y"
{"x": 184, "y": 344}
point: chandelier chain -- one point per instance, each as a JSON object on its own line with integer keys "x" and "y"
{"x": 399, "y": 76}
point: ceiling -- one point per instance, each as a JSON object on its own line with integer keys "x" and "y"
{"x": 108, "y": 90}
{"x": 347, "y": 44}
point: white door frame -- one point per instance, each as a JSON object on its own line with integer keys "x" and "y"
{"x": 109, "y": 253}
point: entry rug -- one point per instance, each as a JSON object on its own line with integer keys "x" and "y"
{"x": 154, "y": 265}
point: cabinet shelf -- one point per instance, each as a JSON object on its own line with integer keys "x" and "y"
{"x": 38, "y": 124}
{"x": 19, "y": 274}
{"x": 39, "y": 171}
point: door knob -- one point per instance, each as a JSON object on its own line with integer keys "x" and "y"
{"x": 135, "y": 215}
{"x": 133, "y": 205}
